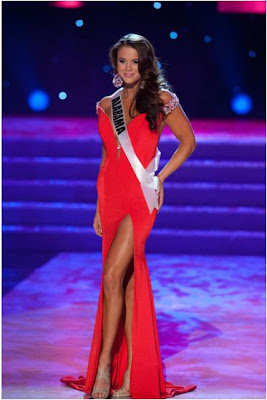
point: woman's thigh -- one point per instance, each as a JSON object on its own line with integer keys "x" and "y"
{"x": 121, "y": 251}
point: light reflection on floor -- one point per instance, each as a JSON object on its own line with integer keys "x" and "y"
{"x": 210, "y": 316}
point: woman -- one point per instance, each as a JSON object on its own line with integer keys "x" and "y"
{"x": 125, "y": 357}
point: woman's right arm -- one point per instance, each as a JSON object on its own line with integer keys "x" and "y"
{"x": 103, "y": 103}
{"x": 101, "y": 164}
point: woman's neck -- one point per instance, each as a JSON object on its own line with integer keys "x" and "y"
{"x": 129, "y": 92}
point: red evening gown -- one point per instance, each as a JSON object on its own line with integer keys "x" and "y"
{"x": 119, "y": 194}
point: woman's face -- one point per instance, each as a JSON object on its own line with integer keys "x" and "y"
{"x": 127, "y": 64}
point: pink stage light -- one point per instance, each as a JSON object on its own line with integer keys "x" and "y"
{"x": 250, "y": 7}
{"x": 67, "y": 4}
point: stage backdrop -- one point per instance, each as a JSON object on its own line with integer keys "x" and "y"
{"x": 211, "y": 54}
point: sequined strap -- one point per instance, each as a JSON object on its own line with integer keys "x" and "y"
{"x": 172, "y": 104}
{"x": 96, "y": 107}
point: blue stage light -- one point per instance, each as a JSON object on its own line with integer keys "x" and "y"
{"x": 38, "y": 100}
{"x": 159, "y": 65}
{"x": 62, "y": 95}
{"x": 79, "y": 23}
{"x": 207, "y": 39}
{"x": 241, "y": 104}
{"x": 106, "y": 68}
{"x": 173, "y": 35}
{"x": 157, "y": 5}
{"x": 252, "y": 54}
{"x": 6, "y": 84}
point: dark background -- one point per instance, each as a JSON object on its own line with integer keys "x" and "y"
{"x": 44, "y": 49}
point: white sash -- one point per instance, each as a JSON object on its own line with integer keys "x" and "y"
{"x": 146, "y": 176}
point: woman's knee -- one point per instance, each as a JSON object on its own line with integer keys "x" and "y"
{"x": 111, "y": 281}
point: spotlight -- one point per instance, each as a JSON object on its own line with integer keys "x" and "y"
{"x": 252, "y": 54}
{"x": 79, "y": 23}
{"x": 173, "y": 35}
{"x": 157, "y": 5}
{"x": 6, "y": 84}
{"x": 241, "y": 104}
{"x": 207, "y": 39}
{"x": 62, "y": 95}
{"x": 38, "y": 100}
{"x": 106, "y": 68}
{"x": 66, "y": 4}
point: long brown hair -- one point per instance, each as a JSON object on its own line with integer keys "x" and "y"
{"x": 147, "y": 99}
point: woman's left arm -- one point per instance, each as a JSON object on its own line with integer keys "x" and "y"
{"x": 180, "y": 125}
{"x": 182, "y": 129}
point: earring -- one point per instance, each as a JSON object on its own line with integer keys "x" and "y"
{"x": 117, "y": 81}
{"x": 142, "y": 84}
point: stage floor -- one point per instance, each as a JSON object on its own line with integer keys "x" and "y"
{"x": 210, "y": 316}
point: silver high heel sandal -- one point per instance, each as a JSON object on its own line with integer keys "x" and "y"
{"x": 101, "y": 373}
{"x": 124, "y": 391}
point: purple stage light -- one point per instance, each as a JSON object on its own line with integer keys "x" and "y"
{"x": 251, "y": 7}
{"x": 67, "y": 4}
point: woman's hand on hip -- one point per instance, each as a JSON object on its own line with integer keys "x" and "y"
{"x": 97, "y": 224}
{"x": 160, "y": 193}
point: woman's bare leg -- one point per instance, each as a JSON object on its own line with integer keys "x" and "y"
{"x": 129, "y": 286}
{"x": 118, "y": 259}
{"x": 129, "y": 318}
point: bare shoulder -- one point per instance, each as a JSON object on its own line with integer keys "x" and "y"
{"x": 104, "y": 102}
{"x": 165, "y": 95}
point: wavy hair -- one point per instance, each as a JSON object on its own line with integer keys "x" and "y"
{"x": 147, "y": 99}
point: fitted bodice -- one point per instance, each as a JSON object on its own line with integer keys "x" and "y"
{"x": 144, "y": 140}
